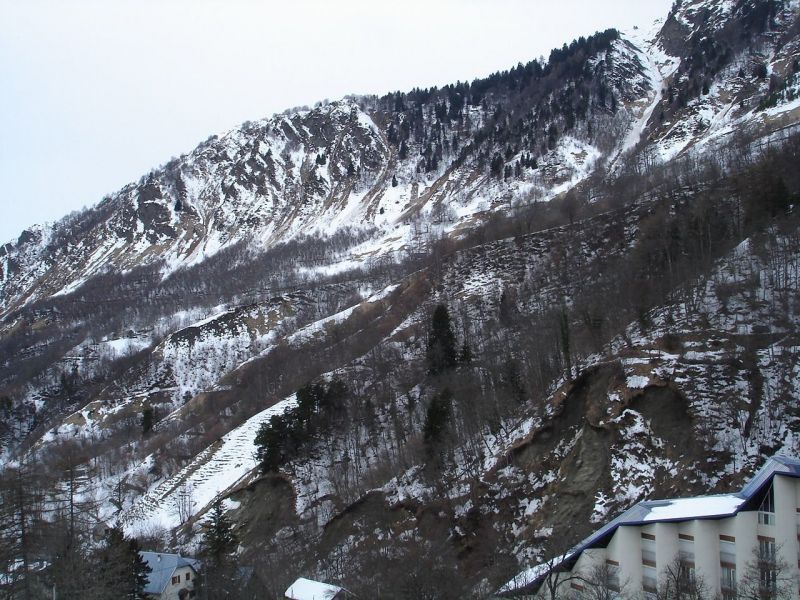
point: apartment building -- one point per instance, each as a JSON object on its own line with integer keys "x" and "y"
{"x": 722, "y": 542}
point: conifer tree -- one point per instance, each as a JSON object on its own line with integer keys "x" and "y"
{"x": 442, "y": 354}
{"x": 465, "y": 356}
{"x": 563, "y": 323}
{"x": 219, "y": 540}
{"x": 147, "y": 420}
{"x": 269, "y": 441}
{"x": 123, "y": 571}
{"x": 403, "y": 152}
{"x": 496, "y": 166}
{"x": 437, "y": 416}
{"x": 219, "y": 543}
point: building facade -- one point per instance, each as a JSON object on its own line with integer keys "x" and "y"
{"x": 171, "y": 577}
{"x": 727, "y": 546}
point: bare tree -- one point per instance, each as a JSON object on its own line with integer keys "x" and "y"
{"x": 680, "y": 581}
{"x": 602, "y": 583}
{"x": 559, "y": 577}
{"x": 183, "y": 504}
{"x": 767, "y": 576}
{"x": 557, "y": 570}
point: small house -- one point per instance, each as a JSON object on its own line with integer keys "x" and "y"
{"x": 171, "y": 577}
{"x": 307, "y": 589}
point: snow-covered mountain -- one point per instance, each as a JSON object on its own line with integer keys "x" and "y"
{"x": 690, "y": 82}
{"x": 612, "y": 231}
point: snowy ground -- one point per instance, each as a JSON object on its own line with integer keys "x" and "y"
{"x": 214, "y": 471}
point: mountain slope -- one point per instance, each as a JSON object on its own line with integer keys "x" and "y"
{"x": 614, "y": 235}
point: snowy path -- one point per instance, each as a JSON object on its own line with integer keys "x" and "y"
{"x": 216, "y": 469}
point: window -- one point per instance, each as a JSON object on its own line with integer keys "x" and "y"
{"x": 649, "y": 579}
{"x": 767, "y": 569}
{"x": 648, "y": 550}
{"x": 686, "y": 573}
{"x": 188, "y": 576}
{"x": 612, "y": 582}
{"x": 728, "y": 580}
{"x": 727, "y": 550}
{"x": 766, "y": 512}
{"x": 176, "y": 579}
{"x": 730, "y": 595}
{"x": 769, "y": 578}
{"x": 686, "y": 549}
{"x": 727, "y": 561}
{"x": 766, "y": 549}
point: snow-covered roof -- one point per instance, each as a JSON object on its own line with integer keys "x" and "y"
{"x": 162, "y": 567}
{"x": 702, "y": 507}
{"x": 307, "y": 589}
{"x": 718, "y": 506}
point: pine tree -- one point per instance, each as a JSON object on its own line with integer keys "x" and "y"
{"x": 332, "y": 399}
{"x": 147, "y": 420}
{"x": 496, "y": 166}
{"x": 124, "y": 573}
{"x": 219, "y": 543}
{"x": 309, "y": 398}
{"x": 270, "y": 441}
{"x": 441, "y": 342}
{"x": 438, "y": 415}
{"x": 219, "y": 540}
{"x": 402, "y": 154}
{"x": 563, "y": 322}
{"x": 465, "y": 357}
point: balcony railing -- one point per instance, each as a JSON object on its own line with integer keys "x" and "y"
{"x": 766, "y": 518}
{"x": 727, "y": 584}
{"x": 649, "y": 584}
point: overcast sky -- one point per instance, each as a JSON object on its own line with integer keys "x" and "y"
{"x": 94, "y": 93}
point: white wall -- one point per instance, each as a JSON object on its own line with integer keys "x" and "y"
{"x": 786, "y": 520}
{"x": 706, "y": 553}
{"x": 626, "y": 548}
{"x": 172, "y": 589}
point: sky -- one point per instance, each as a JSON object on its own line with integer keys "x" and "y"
{"x": 96, "y": 93}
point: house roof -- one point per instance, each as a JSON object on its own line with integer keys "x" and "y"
{"x": 307, "y": 589}
{"x": 717, "y": 506}
{"x": 162, "y": 567}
